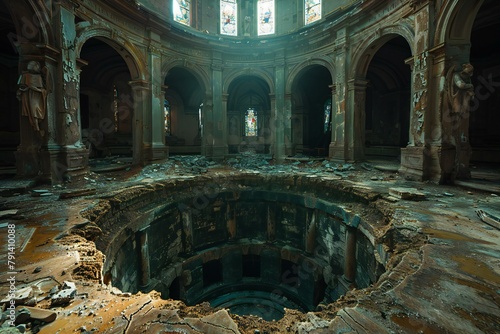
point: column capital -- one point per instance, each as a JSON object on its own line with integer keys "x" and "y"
{"x": 357, "y": 84}
{"x": 139, "y": 84}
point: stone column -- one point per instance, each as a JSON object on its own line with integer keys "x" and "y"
{"x": 287, "y": 125}
{"x": 142, "y": 241}
{"x": 354, "y": 130}
{"x": 231, "y": 221}
{"x": 279, "y": 116}
{"x": 350, "y": 255}
{"x": 311, "y": 232}
{"x": 141, "y": 127}
{"x": 207, "y": 139}
{"x": 187, "y": 229}
{"x": 271, "y": 223}
{"x": 155, "y": 117}
{"x": 338, "y": 149}
{"x": 217, "y": 125}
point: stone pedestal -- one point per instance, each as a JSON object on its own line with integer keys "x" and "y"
{"x": 413, "y": 163}
{"x": 63, "y": 164}
{"x": 336, "y": 152}
{"x": 155, "y": 153}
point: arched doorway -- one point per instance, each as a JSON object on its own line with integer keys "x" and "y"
{"x": 106, "y": 102}
{"x": 311, "y": 111}
{"x": 248, "y": 115}
{"x": 182, "y": 106}
{"x": 387, "y": 106}
{"x": 485, "y": 57}
{"x": 9, "y": 113}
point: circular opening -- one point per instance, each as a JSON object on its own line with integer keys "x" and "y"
{"x": 250, "y": 250}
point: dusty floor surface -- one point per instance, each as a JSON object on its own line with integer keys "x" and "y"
{"x": 443, "y": 277}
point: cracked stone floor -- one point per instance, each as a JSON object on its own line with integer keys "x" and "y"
{"x": 450, "y": 283}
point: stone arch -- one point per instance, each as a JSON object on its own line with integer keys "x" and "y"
{"x": 322, "y": 61}
{"x": 129, "y": 52}
{"x": 197, "y": 71}
{"x": 32, "y": 21}
{"x": 456, "y": 22}
{"x": 231, "y": 76}
{"x": 308, "y": 86}
{"x": 364, "y": 53}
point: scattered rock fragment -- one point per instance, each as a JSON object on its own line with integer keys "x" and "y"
{"x": 411, "y": 194}
{"x": 40, "y": 314}
{"x": 65, "y": 296}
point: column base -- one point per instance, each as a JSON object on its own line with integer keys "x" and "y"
{"x": 413, "y": 163}
{"x": 63, "y": 164}
{"x": 155, "y": 153}
{"x": 336, "y": 152}
{"x": 216, "y": 153}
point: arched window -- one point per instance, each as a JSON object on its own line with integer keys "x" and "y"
{"x": 166, "y": 113}
{"x": 251, "y": 123}
{"x": 265, "y": 13}
{"x": 182, "y": 11}
{"x": 115, "y": 108}
{"x": 312, "y": 11}
{"x": 327, "y": 109}
{"x": 229, "y": 17}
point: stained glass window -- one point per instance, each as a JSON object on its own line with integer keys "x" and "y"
{"x": 312, "y": 11}
{"x": 166, "y": 113}
{"x": 251, "y": 123}
{"x": 265, "y": 12}
{"x": 328, "y": 114}
{"x": 115, "y": 108}
{"x": 181, "y": 9}
{"x": 228, "y": 17}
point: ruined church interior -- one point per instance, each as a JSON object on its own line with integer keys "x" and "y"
{"x": 250, "y": 166}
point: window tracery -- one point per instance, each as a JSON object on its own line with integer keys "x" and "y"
{"x": 182, "y": 11}
{"x": 266, "y": 14}
{"x": 229, "y": 17}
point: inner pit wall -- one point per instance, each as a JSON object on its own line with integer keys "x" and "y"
{"x": 298, "y": 240}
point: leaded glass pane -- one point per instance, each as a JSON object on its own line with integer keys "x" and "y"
{"x": 265, "y": 12}
{"x": 166, "y": 113}
{"x": 327, "y": 115}
{"x": 229, "y": 17}
{"x": 312, "y": 11}
{"x": 251, "y": 123}
{"x": 181, "y": 9}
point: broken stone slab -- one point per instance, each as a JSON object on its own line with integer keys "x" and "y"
{"x": 21, "y": 296}
{"x": 489, "y": 219}
{"x": 119, "y": 293}
{"x": 77, "y": 193}
{"x": 8, "y": 213}
{"x": 36, "y": 313}
{"x": 64, "y": 296}
{"x": 411, "y": 194}
{"x": 40, "y": 193}
{"x": 22, "y": 315}
{"x": 217, "y": 323}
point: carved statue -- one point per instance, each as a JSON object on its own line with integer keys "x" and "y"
{"x": 248, "y": 19}
{"x": 33, "y": 88}
{"x": 459, "y": 91}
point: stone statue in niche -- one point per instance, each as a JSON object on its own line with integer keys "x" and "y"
{"x": 460, "y": 89}
{"x": 458, "y": 94}
{"x": 34, "y": 86}
{"x": 248, "y": 20}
